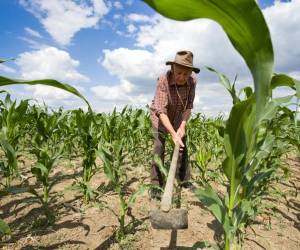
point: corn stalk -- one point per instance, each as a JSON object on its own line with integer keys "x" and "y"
{"x": 12, "y": 118}
{"x": 48, "y": 149}
{"x": 87, "y": 130}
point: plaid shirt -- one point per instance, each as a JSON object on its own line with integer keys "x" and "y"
{"x": 167, "y": 101}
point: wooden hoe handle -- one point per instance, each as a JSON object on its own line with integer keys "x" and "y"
{"x": 166, "y": 201}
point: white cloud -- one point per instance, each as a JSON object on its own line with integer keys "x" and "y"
{"x": 116, "y": 93}
{"x": 124, "y": 34}
{"x": 33, "y": 32}
{"x": 134, "y": 17}
{"x": 42, "y": 92}
{"x": 205, "y": 38}
{"x": 63, "y": 18}
{"x": 32, "y": 43}
{"x": 131, "y": 28}
{"x": 118, "y": 96}
{"x": 49, "y": 62}
{"x": 118, "y": 5}
{"x": 142, "y": 66}
{"x": 283, "y": 19}
{"x": 126, "y": 63}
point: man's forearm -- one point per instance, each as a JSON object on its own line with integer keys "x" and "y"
{"x": 167, "y": 124}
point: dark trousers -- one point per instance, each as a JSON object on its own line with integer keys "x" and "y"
{"x": 182, "y": 172}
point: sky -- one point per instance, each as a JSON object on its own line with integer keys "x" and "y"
{"x": 113, "y": 51}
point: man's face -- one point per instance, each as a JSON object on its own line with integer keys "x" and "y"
{"x": 181, "y": 74}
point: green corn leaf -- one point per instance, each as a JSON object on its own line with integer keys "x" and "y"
{"x": 241, "y": 214}
{"x": 270, "y": 111}
{"x": 135, "y": 194}
{"x": 268, "y": 144}
{"x": 247, "y": 90}
{"x": 204, "y": 245}
{"x": 107, "y": 159}
{"x": 226, "y": 83}
{"x": 6, "y": 60}
{"x": 239, "y": 142}
{"x": 36, "y": 194}
{"x": 250, "y": 187}
{"x": 160, "y": 165}
{"x": 282, "y": 80}
{"x": 283, "y": 100}
{"x": 4, "y": 228}
{"x": 4, "y": 81}
{"x": 213, "y": 202}
{"x": 240, "y": 125}
{"x": 245, "y": 26}
{"x": 9, "y": 151}
{"x": 297, "y": 86}
{"x": 40, "y": 171}
{"x": 89, "y": 191}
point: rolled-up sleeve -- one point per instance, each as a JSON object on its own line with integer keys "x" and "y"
{"x": 191, "y": 97}
{"x": 161, "y": 97}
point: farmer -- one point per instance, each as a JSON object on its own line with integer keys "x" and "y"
{"x": 169, "y": 112}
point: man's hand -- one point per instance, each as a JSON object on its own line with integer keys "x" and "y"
{"x": 177, "y": 139}
{"x": 175, "y": 136}
{"x": 181, "y": 132}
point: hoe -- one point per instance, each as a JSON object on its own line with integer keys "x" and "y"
{"x": 168, "y": 217}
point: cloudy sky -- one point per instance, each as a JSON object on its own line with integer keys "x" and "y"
{"x": 113, "y": 51}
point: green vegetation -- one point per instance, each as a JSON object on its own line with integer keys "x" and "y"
{"x": 243, "y": 153}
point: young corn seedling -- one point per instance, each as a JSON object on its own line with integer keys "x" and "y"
{"x": 12, "y": 118}
{"x": 139, "y": 133}
{"x": 48, "y": 149}
{"x": 113, "y": 151}
{"x": 203, "y": 158}
{"x": 206, "y": 146}
{"x": 88, "y": 132}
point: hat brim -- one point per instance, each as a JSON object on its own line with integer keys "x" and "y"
{"x": 196, "y": 70}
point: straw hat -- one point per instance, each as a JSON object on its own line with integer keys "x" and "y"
{"x": 184, "y": 58}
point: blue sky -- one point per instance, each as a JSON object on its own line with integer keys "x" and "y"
{"x": 113, "y": 51}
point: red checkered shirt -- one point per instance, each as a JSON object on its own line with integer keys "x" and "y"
{"x": 167, "y": 101}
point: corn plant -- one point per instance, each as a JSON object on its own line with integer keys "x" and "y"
{"x": 87, "y": 130}
{"x": 139, "y": 133}
{"x": 205, "y": 146}
{"x": 72, "y": 141}
{"x": 252, "y": 152}
{"x": 280, "y": 80}
{"x": 47, "y": 146}
{"x": 113, "y": 150}
{"x": 203, "y": 158}
{"x": 12, "y": 118}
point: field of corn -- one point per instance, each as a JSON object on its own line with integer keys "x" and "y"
{"x": 79, "y": 179}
